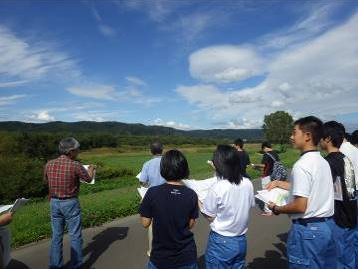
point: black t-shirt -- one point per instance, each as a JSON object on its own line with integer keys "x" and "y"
{"x": 268, "y": 161}
{"x": 244, "y": 162}
{"x": 345, "y": 212}
{"x": 171, "y": 207}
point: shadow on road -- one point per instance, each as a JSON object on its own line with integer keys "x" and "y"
{"x": 101, "y": 242}
{"x": 15, "y": 264}
{"x": 273, "y": 258}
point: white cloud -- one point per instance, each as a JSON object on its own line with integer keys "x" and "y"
{"x": 172, "y": 124}
{"x": 42, "y": 116}
{"x": 8, "y": 100}
{"x": 317, "y": 77}
{"x": 225, "y": 63}
{"x": 104, "y": 92}
{"x": 136, "y": 81}
{"x": 28, "y": 60}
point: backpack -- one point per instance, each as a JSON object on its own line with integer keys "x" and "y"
{"x": 279, "y": 172}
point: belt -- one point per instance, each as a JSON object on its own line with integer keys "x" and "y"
{"x": 310, "y": 220}
{"x": 62, "y": 198}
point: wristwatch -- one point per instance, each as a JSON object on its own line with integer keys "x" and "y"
{"x": 275, "y": 211}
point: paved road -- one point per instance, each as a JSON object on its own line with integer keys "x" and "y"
{"x": 122, "y": 244}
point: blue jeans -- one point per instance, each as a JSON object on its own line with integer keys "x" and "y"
{"x": 66, "y": 212}
{"x": 345, "y": 243}
{"x": 225, "y": 251}
{"x": 192, "y": 266}
{"x": 311, "y": 246}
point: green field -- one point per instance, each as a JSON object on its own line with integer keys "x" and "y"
{"x": 114, "y": 195}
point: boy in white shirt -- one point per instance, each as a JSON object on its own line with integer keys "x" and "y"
{"x": 310, "y": 242}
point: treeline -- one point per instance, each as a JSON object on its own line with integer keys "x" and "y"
{"x": 23, "y": 155}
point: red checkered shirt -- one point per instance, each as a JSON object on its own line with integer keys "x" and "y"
{"x": 63, "y": 175}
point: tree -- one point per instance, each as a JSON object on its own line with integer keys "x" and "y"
{"x": 277, "y": 127}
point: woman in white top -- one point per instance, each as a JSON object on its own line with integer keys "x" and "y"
{"x": 227, "y": 207}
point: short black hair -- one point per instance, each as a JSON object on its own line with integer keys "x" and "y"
{"x": 226, "y": 160}
{"x": 333, "y": 130}
{"x": 239, "y": 142}
{"x": 174, "y": 166}
{"x": 355, "y": 137}
{"x": 156, "y": 147}
{"x": 313, "y": 125}
{"x": 266, "y": 144}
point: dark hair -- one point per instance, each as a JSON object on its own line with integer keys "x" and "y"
{"x": 311, "y": 125}
{"x": 227, "y": 163}
{"x": 266, "y": 144}
{"x": 355, "y": 137}
{"x": 156, "y": 147}
{"x": 174, "y": 166}
{"x": 239, "y": 142}
{"x": 333, "y": 130}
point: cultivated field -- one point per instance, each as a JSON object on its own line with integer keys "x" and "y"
{"x": 114, "y": 195}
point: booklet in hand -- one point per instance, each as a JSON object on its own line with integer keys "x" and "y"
{"x": 14, "y": 207}
{"x": 94, "y": 176}
{"x": 277, "y": 196}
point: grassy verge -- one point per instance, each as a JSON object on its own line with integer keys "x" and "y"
{"x": 116, "y": 197}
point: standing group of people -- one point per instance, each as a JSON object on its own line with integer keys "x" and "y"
{"x": 322, "y": 204}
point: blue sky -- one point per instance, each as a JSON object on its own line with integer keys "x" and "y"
{"x": 185, "y": 64}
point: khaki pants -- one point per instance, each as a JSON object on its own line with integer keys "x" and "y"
{"x": 150, "y": 239}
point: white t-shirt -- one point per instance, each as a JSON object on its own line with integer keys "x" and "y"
{"x": 352, "y": 153}
{"x": 230, "y": 205}
{"x": 312, "y": 178}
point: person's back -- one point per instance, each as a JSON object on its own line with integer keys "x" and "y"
{"x": 244, "y": 162}
{"x": 171, "y": 209}
{"x": 172, "y": 206}
{"x": 150, "y": 173}
{"x": 63, "y": 176}
{"x": 227, "y": 207}
{"x": 233, "y": 203}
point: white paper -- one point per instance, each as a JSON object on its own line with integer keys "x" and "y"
{"x": 5, "y": 208}
{"x": 5, "y": 238}
{"x": 265, "y": 181}
{"x": 201, "y": 187}
{"x": 277, "y": 196}
{"x": 94, "y": 176}
{"x": 142, "y": 191}
{"x": 18, "y": 203}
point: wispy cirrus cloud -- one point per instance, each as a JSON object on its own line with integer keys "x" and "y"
{"x": 103, "y": 28}
{"x": 136, "y": 81}
{"x": 9, "y": 100}
{"x": 24, "y": 60}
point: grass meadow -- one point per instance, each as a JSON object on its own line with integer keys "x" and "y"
{"x": 114, "y": 194}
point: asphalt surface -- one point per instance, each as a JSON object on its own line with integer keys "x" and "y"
{"x": 122, "y": 244}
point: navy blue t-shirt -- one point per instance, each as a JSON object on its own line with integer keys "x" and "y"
{"x": 171, "y": 207}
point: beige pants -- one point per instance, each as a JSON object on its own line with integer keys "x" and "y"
{"x": 150, "y": 239}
